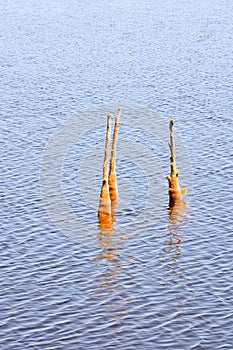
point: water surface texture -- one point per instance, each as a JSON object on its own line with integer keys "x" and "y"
{"x": 163, "y": 283}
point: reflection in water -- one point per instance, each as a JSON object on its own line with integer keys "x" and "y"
{"x": 176, "y": 217}
{"x": 109, "y": 286}
{"x": 175, "y": 275}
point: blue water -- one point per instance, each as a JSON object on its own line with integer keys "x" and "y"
{"x": 154, "y": 282}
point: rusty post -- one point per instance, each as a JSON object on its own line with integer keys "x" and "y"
{"x": 112, "y": 179}
{"x": 175, "y": 192}
{"x": 104, "y": 212}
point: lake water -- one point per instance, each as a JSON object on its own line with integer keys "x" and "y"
{"x": 157, "y": 280}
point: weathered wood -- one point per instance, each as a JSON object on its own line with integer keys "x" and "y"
{"x": 112, "y": 179}
{"x": 104, "y": 212}
{"x": 175, "y": 192}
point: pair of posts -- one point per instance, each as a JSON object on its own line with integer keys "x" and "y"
{"x": 109, "y": 193}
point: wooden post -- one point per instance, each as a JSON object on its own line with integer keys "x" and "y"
{"x": 175, "y": 192}
{"x": 104, "y": 212}
{"x": 112, "y": 179}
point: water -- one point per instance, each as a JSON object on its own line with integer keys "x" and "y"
{"x": 158, "y": 284}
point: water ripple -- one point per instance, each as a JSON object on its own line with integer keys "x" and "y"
{"x": 148, "y": 286}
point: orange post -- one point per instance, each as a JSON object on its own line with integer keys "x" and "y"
{"x": 104, "y": 212}
{"x": 175, "y": 192}
{"x": 112, "y": 179}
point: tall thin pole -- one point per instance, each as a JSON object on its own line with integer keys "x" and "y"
{"x": 172, "y": 149}
{"x": 112, "y": 179}
{"x": 104, "y": 212}
{"x": 175, "y": 192}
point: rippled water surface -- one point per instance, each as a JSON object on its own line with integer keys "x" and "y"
{"x": 158, "y": 279}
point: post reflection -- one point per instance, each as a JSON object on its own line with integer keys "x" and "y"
{"x": 176, "y": 217}
{"x": 110, "y": 285}
{"x": 174, "y": 276}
